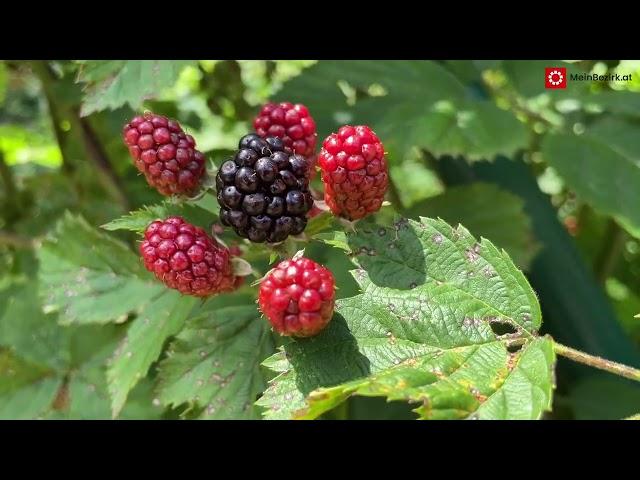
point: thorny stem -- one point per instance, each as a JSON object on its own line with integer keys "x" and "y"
{"x": 613, "y": 245}
{"x": 597, "y": 362}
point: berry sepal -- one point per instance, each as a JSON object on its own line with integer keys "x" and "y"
{"x": 241, "y": 268}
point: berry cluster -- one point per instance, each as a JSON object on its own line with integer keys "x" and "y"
{"x": 264, "y": 195}
{"x": 186, "y": 259}
{"x": 164, "y": 154}
{"x": 354, "y": 172}
{"x": 291, "y": 123}
{"x": 263, "y": 191}
{"x": 297, "y": 297}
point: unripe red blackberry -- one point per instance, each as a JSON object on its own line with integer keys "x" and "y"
{"x": 292, "y": 123}
{"x": 263, "y": 191}
{"x": 164, "y": 154}
{"x": 183, "y": 257}
{"x": 297, "y": 297}
{"x": 354, "y": 172}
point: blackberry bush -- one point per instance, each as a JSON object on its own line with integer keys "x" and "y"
{"x": 263, "y": 191}
{"x": 156, "y": 322}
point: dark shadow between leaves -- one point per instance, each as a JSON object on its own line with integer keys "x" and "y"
{"x": 392, "y": 256}
{"x": 328, "y": 359}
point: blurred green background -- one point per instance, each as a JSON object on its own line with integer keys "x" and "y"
{"x": 551, "y": 176}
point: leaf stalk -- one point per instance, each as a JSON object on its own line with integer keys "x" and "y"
{"x": 597, "y": 362}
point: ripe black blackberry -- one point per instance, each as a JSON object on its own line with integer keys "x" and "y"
{"x": 263, "y": 191}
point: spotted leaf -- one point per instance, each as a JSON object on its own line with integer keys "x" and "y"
{"x": 90, "y": 277}
{"x": 214, "y": 363}
{"x": 444, "y": 321}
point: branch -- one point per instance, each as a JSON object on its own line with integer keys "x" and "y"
{"x": 597, "y": 362}
{"x": 95, "y": 152}
{"x": 16, "y": 240}
{"x": 12, "y": 198}
{"x": 41, "y": 71}
{"x": 100, "y": 159}
{"x": 7, "y": 177}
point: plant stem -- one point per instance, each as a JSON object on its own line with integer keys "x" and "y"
{"x": 41, "y": 71}
{"x": 7, "y": 177}
{"x": 95, "y": 153}
{"x": 100, "y": 159}
{"x": 15, "y": 240}
{"x": 597, "y": 362}
{"x": 613, "y": 245}
{"x": 12, "y": 199}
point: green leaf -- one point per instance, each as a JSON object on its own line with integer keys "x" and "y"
{"x": 527, "y": 77}
{"x": 600, "y": 397}
{"x": 559, "y": 274}
{"x": 623, "y": 102}
{"x": 26, "y": 390}
{"x": 619, "y": 134}
{"x": 319, "y": 223}
{"x": 414, "y": 181}
{"x": 88, "y": 399}
{"x": 486, "y": 210}
{"x": 91, "y": 345}
{"x": 145, "y": 338}
{"x": 443, "y": 320}
{"x": 283, "y": 397}
{"x": 604, "y": 174}
{"x": 626, "y": 303}
{"x": 95, "y": 71}
{"x": 484, "y": 379}
{"x": 90, "y": 277}
{"x": 31, "y": 334}
{"x": 478, "y": 130}
{"x": 85, "y": 394}
{"x": 214, "y": 363}
{"x": 409, "y": 104}
{"x": 112, "y": 84}
{"x": 337, "y": 239}
{"x": 138, "y": 220}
